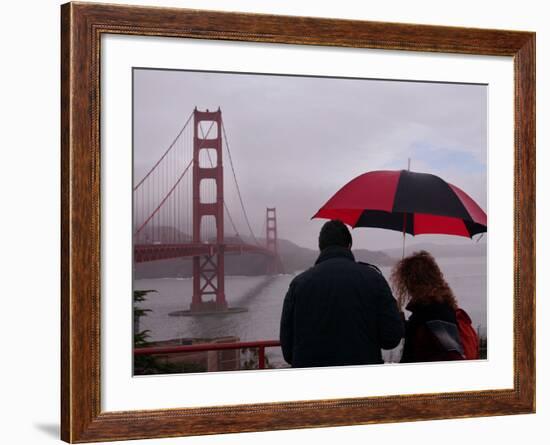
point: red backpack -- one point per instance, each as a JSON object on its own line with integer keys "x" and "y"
{"x": 468, "y": 335}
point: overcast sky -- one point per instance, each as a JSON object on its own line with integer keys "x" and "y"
{"x": 296, "y": 140}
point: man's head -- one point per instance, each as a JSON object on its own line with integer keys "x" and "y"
{"x": 334, "y": 233}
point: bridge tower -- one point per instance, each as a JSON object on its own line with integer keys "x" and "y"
{"x": 208, "y": 270}
{"x": 271, "y": 229}
{"x": 274, "y": 265}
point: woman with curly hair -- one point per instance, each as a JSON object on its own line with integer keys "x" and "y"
{"x": 432, "y": 332}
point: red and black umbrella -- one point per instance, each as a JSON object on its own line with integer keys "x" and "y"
{"x": 409, "y": 202}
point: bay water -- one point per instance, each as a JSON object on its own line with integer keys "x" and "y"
{"x": 263, "y": 296}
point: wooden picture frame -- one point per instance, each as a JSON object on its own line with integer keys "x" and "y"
{"x": 82, "y": 26}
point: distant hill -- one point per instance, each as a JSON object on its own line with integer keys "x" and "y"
{"x": 297, "y": 258}
{"x": 442, "y": 250}
{"x": 294, "y": 258}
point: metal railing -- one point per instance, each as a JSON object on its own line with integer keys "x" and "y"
{"x": 261, "y": 345}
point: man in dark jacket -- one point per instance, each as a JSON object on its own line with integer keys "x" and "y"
{"x": 338, "y": 312}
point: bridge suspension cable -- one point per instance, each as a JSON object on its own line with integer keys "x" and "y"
{"x": 165, "y": 153}
{"x": 237, "y": 185}
{"x": 164, "y": 199}
{"x": 174, "y": 206}
{"x": 173, "y": 188}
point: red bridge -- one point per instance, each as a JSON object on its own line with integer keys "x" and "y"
{"x": 180, "y": 206}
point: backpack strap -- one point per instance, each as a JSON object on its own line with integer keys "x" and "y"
{"x": 462, "y": 315}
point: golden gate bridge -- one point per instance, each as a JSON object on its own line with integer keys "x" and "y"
{"x": 179, "y": 211}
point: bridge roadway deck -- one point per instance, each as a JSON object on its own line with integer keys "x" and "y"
{"x": 154, "y": 252}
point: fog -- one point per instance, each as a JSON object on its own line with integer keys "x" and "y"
{"x": 296, "y": 140}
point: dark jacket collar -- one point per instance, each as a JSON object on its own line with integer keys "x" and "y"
{"x": 334, "y": 252}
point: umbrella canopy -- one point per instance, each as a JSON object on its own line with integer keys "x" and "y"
{"x": 411, "y": 202}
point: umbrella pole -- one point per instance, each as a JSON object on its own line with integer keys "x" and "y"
{"x": 404, "y": 233}
{"x": 405, "y": 216}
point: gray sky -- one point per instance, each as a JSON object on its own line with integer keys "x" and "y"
{"x": 296, "y": 140}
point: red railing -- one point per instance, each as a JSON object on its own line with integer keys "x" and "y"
{"x": 260, "y": 345}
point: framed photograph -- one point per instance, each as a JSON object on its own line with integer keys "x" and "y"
{"x": 274, "y": 222}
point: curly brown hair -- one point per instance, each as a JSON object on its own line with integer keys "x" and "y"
{"x": 418, "y": 279}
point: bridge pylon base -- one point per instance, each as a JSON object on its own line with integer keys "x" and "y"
{"x": 208, "y": 306}
{"x": 205, "y": 310}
